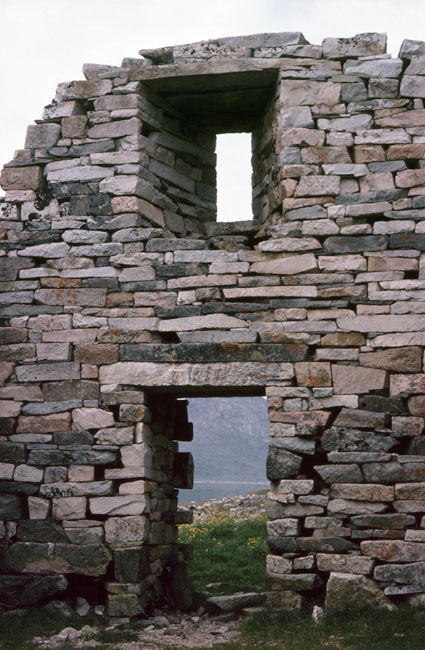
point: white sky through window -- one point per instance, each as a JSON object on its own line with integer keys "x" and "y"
{"x": 234, "y": 177}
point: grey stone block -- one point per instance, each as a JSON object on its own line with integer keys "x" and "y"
{"x": 356, "y": 244}
{"x": 356, "y": 592}
{"x": 367, "y": 44}
{"x": 347, "y": 473}
{"x": 11, "y": 507}
{"x": 282, "y": 464}
{"x": 131, "y": 564}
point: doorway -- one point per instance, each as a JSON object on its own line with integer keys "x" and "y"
{"x": 227, "y": 538}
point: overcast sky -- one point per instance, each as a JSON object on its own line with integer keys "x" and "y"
{"x": 44, "y": 42}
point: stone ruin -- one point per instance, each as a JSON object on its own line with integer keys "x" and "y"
{"x": 121, "y": 296}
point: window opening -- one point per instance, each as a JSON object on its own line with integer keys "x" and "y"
{"x": 234, "y": 174}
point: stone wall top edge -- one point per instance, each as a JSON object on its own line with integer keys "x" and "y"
{"x": 284, "y": 44}
{"x": 263, "y": 50}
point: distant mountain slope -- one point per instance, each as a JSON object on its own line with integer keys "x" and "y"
{"x": 230, "y": 438}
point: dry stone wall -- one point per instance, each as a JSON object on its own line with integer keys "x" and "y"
{"x": 121, "y": 295}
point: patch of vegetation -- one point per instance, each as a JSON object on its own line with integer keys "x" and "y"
{"x": 116, "y": 635}
{"x": 227, "y": 550}
{"x": 18, "y": 628}
{"x": 403, "y": 629}
{"x": 380, "y": 630}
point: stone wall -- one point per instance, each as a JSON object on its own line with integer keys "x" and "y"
{"x": 121, "y": 295}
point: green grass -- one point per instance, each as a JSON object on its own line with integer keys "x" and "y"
{"x": 116, "y": 635}
{"x": 227, "y": 550}
{"x": 403, "y": 629}
{"x": 368, "y": 630}
{"x": 17, "y": 629}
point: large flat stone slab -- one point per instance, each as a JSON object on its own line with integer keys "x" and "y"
{"x": 191, "y": 323}
{"x": 196, "y": 374}
{"x": 212, "y": 352}
{"x": 402, "y": 573}
{"x": 91, "y": 560}
{"x": 234, "y": 602}
{"x": 368, "y": 492}
{"x": 384, "y": 323}
{"x": 344, "y": 563}
{"x": 387, "y": 522}
{"x": 394, "y": 550}
{"x": 351, "y": 507}
{"x": 119, "y": 505}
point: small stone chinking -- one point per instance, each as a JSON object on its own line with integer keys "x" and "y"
{"x": 120, "y": 293}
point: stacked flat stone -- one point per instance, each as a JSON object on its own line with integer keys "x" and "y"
{"x": 120, "y": 295}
